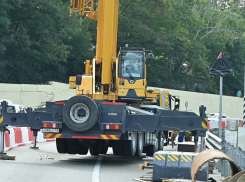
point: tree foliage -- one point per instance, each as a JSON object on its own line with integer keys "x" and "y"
{"x": 39, "y": 41}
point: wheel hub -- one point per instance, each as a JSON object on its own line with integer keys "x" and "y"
{"x": 79, "y": 113}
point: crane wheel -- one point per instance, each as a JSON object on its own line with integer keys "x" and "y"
{"x": 94, "y": 150}
{"x": 140, "y": 144}
{"x": 117, "y": 148}
{"x": 103, "y": 149}
{"x": 160, "y": 140}
{"x": 82, "y": 150}
{"x": 80, "y": 113}
{"x": 130, "y": 146}
{"x": 61, "y": 145}
{"x": 72, "y": 146}
{"x": 150, "y": 150}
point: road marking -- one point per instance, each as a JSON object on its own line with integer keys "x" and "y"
{"x": 96, "y": 171}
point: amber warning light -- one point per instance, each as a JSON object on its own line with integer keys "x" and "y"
{"x": 112, "y": 126}
{"x": 50, "y": 125}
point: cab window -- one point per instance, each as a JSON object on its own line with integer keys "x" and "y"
{"x": 132, "y": 64}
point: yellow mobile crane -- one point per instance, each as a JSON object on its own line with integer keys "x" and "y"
{"x": 108, "y": 77}
{"x": 112, "y": 106}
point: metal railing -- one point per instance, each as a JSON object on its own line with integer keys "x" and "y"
{"x": 235, "y": 153}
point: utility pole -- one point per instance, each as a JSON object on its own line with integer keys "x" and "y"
{"x": 220, "y": 107}
{"x": 244, "y": 100}
{"x": 221, "y": 68}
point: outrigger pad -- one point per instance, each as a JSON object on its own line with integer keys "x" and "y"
{"x": 221, "y": 67}
{"x": 169, "y": 164}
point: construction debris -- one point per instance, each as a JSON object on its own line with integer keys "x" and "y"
{"x": 237, "y": 176}
{"x": 208, "y": 155}
{"x": 197, "y": 161}
{"x": 47, "y": 157}
{"x": 142, "y": 180}
{"x": 211, "y": 167}
{"x": 7, "y": 157}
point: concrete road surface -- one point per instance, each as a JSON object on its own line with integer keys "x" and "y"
{"x": 67, "y": 168}
{"x": 70, "y": 168}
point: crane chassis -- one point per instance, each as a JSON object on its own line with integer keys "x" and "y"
{"x": 128, "y": 130}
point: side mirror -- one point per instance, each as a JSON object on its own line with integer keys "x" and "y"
{"x": 150, "y": 55}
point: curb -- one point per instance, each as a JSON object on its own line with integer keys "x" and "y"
{"x": 21, "y": 136}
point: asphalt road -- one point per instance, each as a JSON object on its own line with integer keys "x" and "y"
{"x": 28, "y": 167}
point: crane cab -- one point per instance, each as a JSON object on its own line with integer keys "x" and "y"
{"x": 131, "y": 75}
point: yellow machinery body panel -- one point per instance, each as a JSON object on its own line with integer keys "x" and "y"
{"x": 86, "y": 86}
{"x": 72, "y": 82}
{"x": 164, "y": 98}
{"x": 137, "y": 86}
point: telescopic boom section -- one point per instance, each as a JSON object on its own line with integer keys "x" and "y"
{"x": 107, "y": 25}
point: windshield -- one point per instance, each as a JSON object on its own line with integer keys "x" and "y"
{"x": 10, "y": 109}
{"x": 132, "y": 65}
{"x": 217, "y": 116}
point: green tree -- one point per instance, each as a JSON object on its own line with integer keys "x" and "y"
{"x": 43, "y": 42}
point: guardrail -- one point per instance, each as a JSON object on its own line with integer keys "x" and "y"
{"x": 213, "y": 141}
{"x": 235, "y": 153}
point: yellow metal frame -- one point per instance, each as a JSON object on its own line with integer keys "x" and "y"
{"x": 106, "y": 45}
{"x": 82, "y": 7}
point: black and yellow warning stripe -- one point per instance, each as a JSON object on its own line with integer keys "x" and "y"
{"x": 1, "y": 118}
{"x": 172, "y": 157}
{"x": 205, "y": 123}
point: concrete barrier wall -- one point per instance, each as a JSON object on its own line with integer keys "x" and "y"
{"x": 232, "y": 106}
{"x": 34, "y": 95}
{"x": 21, "y": 136}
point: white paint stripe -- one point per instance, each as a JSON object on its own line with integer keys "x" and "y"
{"x": 96, "y": 172}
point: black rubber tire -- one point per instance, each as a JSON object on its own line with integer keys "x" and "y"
{"x": 130, "y": 146}
{"x": 61, "y": 145}
{"x": 160, "y": 137}
{"x": 93, "y": 113}
{"x": 166, "y": 136}
{"x": 103, "y": 149}
{"x": 144, "y": 150}
{"x": 127, "y": 150}
{"x": 117, "y": 148}
{"x": 140, "y": 145}
{"x": 150, "y": 150}
{"x": 72, "y": 146}
{"x": 94, "y": 150}
{"x": 82, "y": 150}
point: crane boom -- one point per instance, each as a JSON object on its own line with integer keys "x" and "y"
{"x": 108, "y": 76}
{"x": 107, "y": 22}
